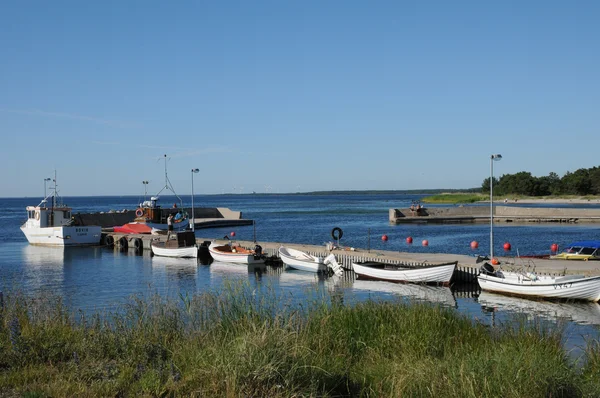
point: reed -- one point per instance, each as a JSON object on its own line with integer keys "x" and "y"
{"x": 242, "y": 342}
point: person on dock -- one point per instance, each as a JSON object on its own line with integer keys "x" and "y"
{"x": 169, "y": 225}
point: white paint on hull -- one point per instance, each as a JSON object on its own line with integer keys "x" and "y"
{"x": 62, "y": 236}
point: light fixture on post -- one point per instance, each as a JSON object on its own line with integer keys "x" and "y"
{"x": 145, "y": 189}
{"x": 194, "y": 171}
{"x": 493, "y": 158}
{"x": 46, "y": 180}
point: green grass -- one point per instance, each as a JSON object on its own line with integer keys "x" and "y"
{"x": 241, "y": 343}
{"x": 455, "y": 198}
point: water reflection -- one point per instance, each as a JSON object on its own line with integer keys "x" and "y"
{"x": 582, "y": 313}
{"x": 434, "y": 294}
{"x": 179, "y": 271}
{"x": 220, "y": 271}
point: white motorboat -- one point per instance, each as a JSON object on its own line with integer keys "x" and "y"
{"x": 301, "y": 260}
{"x": 229, "y": 253}
{"x": 529, "y": 284}
{"x": 52, "y": 225}
{"x": 431, "y": 273}
{"x": 184, "y": 246}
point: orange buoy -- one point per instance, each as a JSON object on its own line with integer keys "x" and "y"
{"x": 507, "y": 246}
{"x": 384, "y": 238}
{"x": 425, "y": 242}
{"x": 495, "y": 262}
{"x": 474, "y": 244}
{"x": 232, "y": 233}
{"x": 409, "y": 240}
{"x": 554, "y": 248}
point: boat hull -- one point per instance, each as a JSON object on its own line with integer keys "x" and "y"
{"x": 236, "y": 258}
{"x": 177, "y": 227}
{"x": 437, "y": 274}
{"x": 301, "y": 261}
{"x": 159, "y": 249}
{"x": 63, "y": 236}
{"x": 571, "y": 287}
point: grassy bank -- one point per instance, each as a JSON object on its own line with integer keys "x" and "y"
{"x": 455, "y": 198}
{"x": 239, "y": 343}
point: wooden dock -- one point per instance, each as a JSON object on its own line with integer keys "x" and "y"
{"x": 466, "y": 271}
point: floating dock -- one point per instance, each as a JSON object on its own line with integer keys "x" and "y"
{"x": 502, "y": 214}
{"x": 466, "y": 271}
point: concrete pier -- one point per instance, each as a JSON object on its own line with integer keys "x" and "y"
{"x": 505, "y": 214}
{"x": 467, "y": 268}
{"x": 204, "y": 217}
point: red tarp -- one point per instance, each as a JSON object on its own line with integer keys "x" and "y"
{"x": 133, "y": 228}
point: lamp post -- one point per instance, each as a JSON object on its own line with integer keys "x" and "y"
{"x": 46, "y": 180}
{"x": 145, "y": 189}
{"x": 193, "y": 218}
{"x": 493, "y": 158}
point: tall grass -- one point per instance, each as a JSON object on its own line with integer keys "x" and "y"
{"x": 237, "y": 342}
{"x": 455, "y": 198}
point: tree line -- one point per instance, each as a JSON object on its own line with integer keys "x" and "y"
{"x": 580, "y": 182}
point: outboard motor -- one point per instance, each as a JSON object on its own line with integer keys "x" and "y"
{"x": 204, "y": 254}
{"x": 487, "y": 269}
{"x": 258, "y": 252}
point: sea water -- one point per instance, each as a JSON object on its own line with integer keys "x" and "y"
{"x": 101, "y": 279}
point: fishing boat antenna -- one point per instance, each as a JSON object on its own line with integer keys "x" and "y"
{"x": 168, "y": 185}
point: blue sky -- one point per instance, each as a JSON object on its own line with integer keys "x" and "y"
{"x": 294, "y": 96}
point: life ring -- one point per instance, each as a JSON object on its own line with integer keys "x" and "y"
{"x": 37, "y": 215}
{"x": 139, "y": 212}
{"x": 339, "y": 235}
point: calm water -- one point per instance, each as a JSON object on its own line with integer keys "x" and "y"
{"x": 98, "y": 278}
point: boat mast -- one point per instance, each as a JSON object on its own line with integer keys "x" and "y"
{"x": 168, "y": 184}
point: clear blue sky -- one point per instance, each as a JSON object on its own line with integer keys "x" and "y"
{"x": 294, "y": 95}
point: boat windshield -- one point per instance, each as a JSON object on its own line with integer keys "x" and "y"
{"x": 587, "y": 250}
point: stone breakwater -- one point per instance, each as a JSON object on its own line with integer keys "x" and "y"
{"x": 506, "y": 214}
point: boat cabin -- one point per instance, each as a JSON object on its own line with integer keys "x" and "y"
{"x": 43, "y": 217}
{"x": 184, "y": 239}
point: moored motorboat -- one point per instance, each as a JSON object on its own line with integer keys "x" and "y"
{"x": 229, "y": 253}
{"x": 430, "y": 273}
{"x": 531, "y": 285}
{"x": 184, "y": 246}
{"x": 301, "y": 260}
{"x": 52, "y": 225}
{"x": 583, "y": 250}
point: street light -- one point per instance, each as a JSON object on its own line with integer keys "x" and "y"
{"x": 193, "y": 218}
{"x": 45, "y": 180}
{"x": 145, "y": 189}
{"x": 493, "y": 158}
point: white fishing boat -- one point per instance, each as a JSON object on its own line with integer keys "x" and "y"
{"x": 229, "y": 253}
{"x": 183, "y": 246}
{"x": 301, "y": 260}
{"x": 50, "y": 224}
{"x": 431, "y": 273}
{"x": 529, "y": 284}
